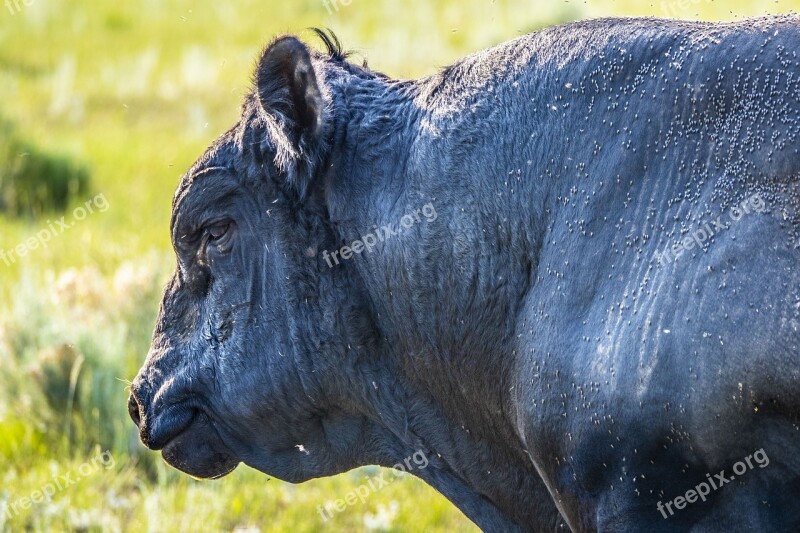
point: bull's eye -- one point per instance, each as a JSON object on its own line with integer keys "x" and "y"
{"x": 217, "y": 232}
{"x": 219, "y": 236}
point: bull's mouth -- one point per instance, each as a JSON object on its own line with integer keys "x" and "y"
{"x": 167, "y": 426}
{"x": 190, "y": 443}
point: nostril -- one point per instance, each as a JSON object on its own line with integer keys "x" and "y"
{"x": 133, "y": 410}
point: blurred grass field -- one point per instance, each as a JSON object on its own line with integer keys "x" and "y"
{"x": 133, "y": 92}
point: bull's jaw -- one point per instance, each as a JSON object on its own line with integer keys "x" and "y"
{"x": 315, "y": 455}
{"x": 200, "y": 452}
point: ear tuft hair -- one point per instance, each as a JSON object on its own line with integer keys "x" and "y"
{"x": 332, "y": 44}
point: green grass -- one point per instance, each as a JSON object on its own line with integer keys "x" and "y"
{"x": 32, "y": 182}
{"x": 134, "y": 91}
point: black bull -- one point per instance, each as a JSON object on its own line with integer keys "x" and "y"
{"x": 563, "y": 269}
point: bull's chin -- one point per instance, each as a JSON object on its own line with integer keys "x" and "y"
{"x": 200, "y": 452}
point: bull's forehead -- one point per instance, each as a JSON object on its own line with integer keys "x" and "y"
{"x": 221, "y": 154}
{"x": 200, "y": 184}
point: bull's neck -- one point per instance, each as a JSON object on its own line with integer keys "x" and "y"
{"x": 446, "y": 291}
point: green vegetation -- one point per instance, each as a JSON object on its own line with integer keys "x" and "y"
{"x": 32, "y": 182}
{"x": 135, "y": 91}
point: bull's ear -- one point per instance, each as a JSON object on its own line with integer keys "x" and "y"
{"x": 288, "y": 90}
